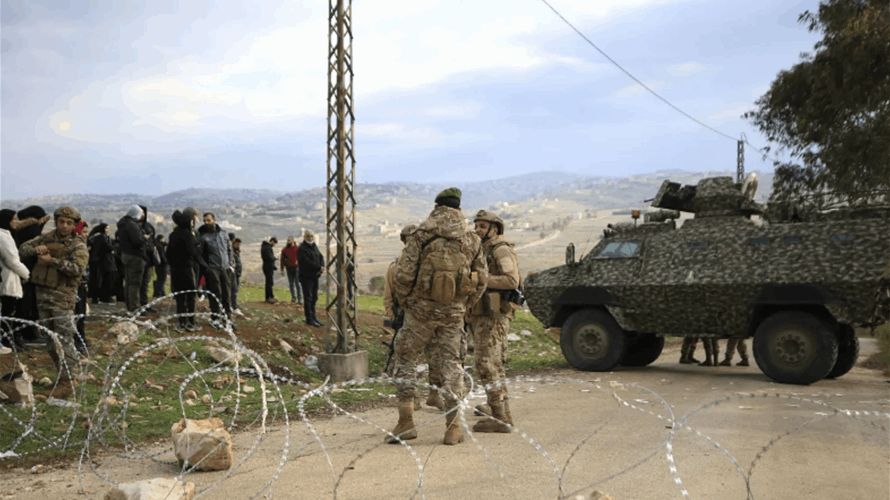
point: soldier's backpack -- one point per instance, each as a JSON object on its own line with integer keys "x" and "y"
{"x": 444, "y": 275}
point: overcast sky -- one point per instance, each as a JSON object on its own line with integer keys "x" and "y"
{"x": 153, "y": 97}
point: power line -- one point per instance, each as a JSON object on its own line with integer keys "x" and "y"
{"x": 687, "y": 115}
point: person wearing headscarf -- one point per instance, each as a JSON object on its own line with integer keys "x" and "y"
{"x": 12, "y": 273}
{"x": 184, "y": 255}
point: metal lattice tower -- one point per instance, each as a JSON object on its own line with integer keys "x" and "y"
{"x": 340, "y": 307}
{"x": 740, "y": 161}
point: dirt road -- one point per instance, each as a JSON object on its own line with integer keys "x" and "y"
{"x": 665, "y": 431}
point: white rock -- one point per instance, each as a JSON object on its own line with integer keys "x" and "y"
{"x": 207, "y": 440}
{"x": 285, "y": 346}
{"x": 126, "y": 332}
{"x": 17, "y": 387}
{"x": 512, "y": 337}
{"x": 311, "y": 362}
{"x": 153, "y": 489}
{"x": 525, "y": 333}
{"x": 422, "y": 368}
{"x": 223, "y": 355}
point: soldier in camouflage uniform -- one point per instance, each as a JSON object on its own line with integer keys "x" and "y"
{"x": 440, "y": 274}
{"x": 732, "y": 344}
{"x": 62, "y": 258}
{"x": 489, "y": 321}
{"x": 686, "y": 351}
{"x": 712, "y": 352}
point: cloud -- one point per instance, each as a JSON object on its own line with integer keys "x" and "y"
{"x": 635, "y": 88}
{"x": 685, "y": 69}
{"x": 732, "y": 113}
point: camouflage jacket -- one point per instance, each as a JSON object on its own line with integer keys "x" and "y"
{"x": 443, "y": 222}
{"x": 503, "y": 274}
{"x": 389, "y": 298}
{"x": 63, "y": 274}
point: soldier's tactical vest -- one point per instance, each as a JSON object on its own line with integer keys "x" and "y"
{"x": 50, "y": 276}
{"x": 493, "y": 303}
{"x": 444, "y": 274}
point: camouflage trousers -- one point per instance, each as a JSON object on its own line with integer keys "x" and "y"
{"x": 60, "y": 321}
{"x": 736, "y": 343}
{"x": 442, "y": 333}
{"x": 490, "y": 354}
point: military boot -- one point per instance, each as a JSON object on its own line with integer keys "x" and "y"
{"x": 405, "y": 427}
{"x": 727, "y": 361}
{"x": 710, "y": 355}
{"x": 435, "y": 400}
{"x": 687, "y": 350}
{"x": 496, "y": 422}
{"x": 452, "y": 428}
{"x": 744, "y": 361}
{"x": 509, "y": 418}
{"x": 482, "y": 410}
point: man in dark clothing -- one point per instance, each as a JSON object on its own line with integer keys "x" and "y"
{"x": 148, "y": 270}
{"x": 27, "y": 307}
{"x": 219, "y": 259}
{"x": 268, "y": 256}
{"x": 311, "y": 264}
{"x": 101, "y": 264}
{"x": 183, "y": 256}
{"x": 161, "y": 269}
{"x": 239, "y": 268}
{"x": 133, "y": 243}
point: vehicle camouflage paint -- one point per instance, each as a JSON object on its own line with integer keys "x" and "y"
{"x": 797, "y": 282}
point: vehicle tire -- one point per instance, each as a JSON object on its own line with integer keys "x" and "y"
{"x": 591, "y": 340}
{"x": 847, "y": 351}
{"x": 642, "y": 350}
{"x": 795, "y": 347}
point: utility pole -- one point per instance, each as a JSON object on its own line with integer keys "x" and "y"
{"x": 340, "y": 222}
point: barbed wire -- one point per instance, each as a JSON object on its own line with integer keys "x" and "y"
{"x": 106, "y": 414}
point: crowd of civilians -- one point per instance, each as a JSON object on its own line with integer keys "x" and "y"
{"x": 129, "y": 258}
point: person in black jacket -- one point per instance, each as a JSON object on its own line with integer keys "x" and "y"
{"x": 161, "y": 269}
{"x": 148, "y": 232}
{"x": 269, "y": 262}
{"x": 311, "y": 266}
{"x": 183, "y": 255}
{"x": 133, "y": 244}
{"x": 30, "y": 225}
{"x": 102, "y": 265}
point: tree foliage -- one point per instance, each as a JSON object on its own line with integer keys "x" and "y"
{"x": 831, "y": 111}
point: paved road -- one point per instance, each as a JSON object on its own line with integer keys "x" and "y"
{"x": 575, "y": 432}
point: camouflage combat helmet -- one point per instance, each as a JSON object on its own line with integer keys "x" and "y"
{"x": 406, "y": 231}
{"x": 66, "y": 211}
{"x": 491, "y": 218}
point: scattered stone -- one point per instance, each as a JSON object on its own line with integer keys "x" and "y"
{"x": 223, "y": 355}
{"x": 204, "y": 444}
{"x": 5, "y": 350}
{"x": 158, "y": 388}
{"x": 61, "y": 403}
{"x": 126, "y": 332}
{"x": 205, "y": 399}
{"x": 221, "y": 381}
{"x": 525, "y": 333}
{"x": 17, "y": 388}
{"x": 46, "y": 382}
{"x": 86, "y": 424}
{"x": 311, "y": 362}
{"x": 422, "y": 368}
{"x": 616, "y": 385}
{"x": 190, "y": 394}
{"x": 153, "y": 489}
{"x": 38, "y": 469}
{"x": 596, "y": 495}
{"x": 286, "y": 347}
{"x": 512, "y": 337}
{"x": 212, "y": 343}
{"x": 247, "y": 388}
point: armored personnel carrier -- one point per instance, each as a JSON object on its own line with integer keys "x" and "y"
{"x": 797, "y": 281}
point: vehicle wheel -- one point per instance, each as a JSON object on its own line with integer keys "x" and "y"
{"x": 795, "y": 347}
{"x": 591, "y": 340}
{"x": 643, "y": 350}
{"x": 847, "y": 352}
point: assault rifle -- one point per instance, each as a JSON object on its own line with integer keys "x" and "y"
{"x": 396, "y": 324}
